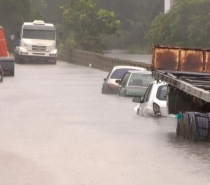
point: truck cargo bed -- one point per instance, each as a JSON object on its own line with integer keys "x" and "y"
{"x": 195, "y": 84}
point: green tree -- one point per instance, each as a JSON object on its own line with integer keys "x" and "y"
{"x": 136, "y": 17}
{"x": 51, "y": 10}
{"x": 187, "y": 24}
{"x": 87, "y": 25}
{"x": 12, "y": 14}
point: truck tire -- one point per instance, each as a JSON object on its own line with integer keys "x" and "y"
{"x": 178, "y": 126}
{"x": 187, "y": 117}
{"x": 193, "y": 130}
{"x": 203, "y": 126}
{"x": 181, "y": 125}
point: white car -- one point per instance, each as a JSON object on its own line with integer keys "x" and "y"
{"x": 154, "y": 101}
{"x": 110, "y": 86}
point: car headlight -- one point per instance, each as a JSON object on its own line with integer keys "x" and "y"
{"x": 23, "y": 51}
{"x": 53, "y": 53}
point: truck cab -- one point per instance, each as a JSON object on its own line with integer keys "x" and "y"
{"x": 37, "y": 43}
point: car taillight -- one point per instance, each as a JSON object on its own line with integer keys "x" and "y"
{"x": 156, "y": 109}
{"x": 112, "y": 86}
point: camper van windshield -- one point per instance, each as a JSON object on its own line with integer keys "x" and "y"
{"x": 39, "y": 34}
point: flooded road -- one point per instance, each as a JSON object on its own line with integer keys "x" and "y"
{"x": 58, "y": 129}
{"x": 132, "y": 57}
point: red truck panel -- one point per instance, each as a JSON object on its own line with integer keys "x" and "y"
{"x": 3, "y": 45}
{"x": 181, "y": 59}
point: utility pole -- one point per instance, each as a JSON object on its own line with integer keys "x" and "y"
{"x": 168, "y": 4}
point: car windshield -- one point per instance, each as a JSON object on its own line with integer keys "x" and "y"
{"x": 119, "y": 73}
{"x": 140, "y": 80}
{"x": 161, "y": 93}
{"x": 39, "y": 34}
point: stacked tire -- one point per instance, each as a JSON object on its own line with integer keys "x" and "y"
{"x": 193, "y": 126}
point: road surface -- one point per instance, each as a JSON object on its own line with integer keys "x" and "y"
{"x": 58, "y": 129}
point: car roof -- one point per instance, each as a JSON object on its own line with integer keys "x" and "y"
{"x": 159, "y": 83}
{"x": 130, "y": 67}
{"x": 142, "y": 72}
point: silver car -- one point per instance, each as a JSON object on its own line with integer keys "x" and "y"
{"x": 110, "y": 86}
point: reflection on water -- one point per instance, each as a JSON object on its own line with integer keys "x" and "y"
{"x": 200, "y": 149}
{"x": 194, "y": 157}
{"x": 132, "y": 57}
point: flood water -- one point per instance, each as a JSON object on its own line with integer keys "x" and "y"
{"x": 58, "y": 129}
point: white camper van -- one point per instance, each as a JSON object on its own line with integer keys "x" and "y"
{"x": 37, "y": 43}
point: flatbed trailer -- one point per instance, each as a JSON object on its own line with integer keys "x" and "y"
{"x": 187, "y": 73}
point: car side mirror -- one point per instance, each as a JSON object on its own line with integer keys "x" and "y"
{"x": 118, "y": 81}
{"x": 138, "y": 99}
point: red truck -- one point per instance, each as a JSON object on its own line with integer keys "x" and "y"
{"x": 187, "y": 73}
{"x": 6, "y": 62}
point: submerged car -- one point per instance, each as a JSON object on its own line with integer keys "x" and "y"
{"x": 154, "y": 101}
{"x": 134, "y": 83}
{"x": 110, "y": 86}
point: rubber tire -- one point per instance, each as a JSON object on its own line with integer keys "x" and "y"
{"x": 178, "y": 129}
{"x": 179, "y": 126}
{"x": 193, "y": 130}
{"x": 186, "y": 123}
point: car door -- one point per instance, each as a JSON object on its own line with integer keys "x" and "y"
{"x": 144, "y": 105}
{"x": 123, "y": 85}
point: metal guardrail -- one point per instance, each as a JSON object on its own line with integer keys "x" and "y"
{"x": 96, "y": 60}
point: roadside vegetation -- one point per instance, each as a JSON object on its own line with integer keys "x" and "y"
{"x": 131, "y": 25}
{"x": 186, "y": 25}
